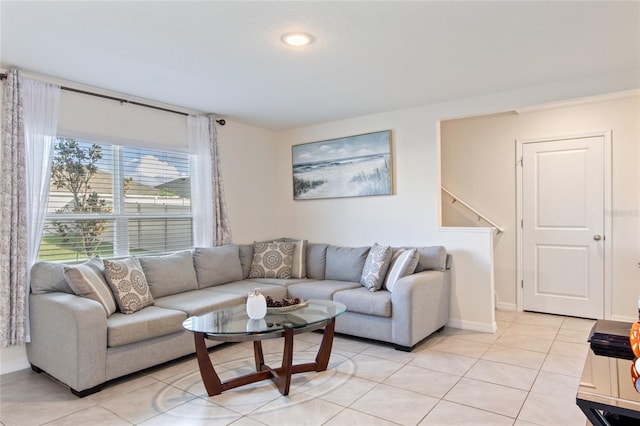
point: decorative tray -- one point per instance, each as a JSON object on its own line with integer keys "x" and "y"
{"x": 289, "y": 308}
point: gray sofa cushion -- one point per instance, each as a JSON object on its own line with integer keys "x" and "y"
{"x": 145, "y": 324}
{"x": 199, "y": 302}
{"x": 278, "y": 281}
{"x": 316, "y": 260}
{"x": 345, "y": 263}
{"x": 363, "y": 301}
{"x": 432, "y": 258}
{"x": 171, "y": 274}
{"x": 242, "y": 288}
{"x": 47, "y": 277}
{"x": 320, "y": 289}
{"x": 217, "y": 265}
{"x": 246, "y": 257}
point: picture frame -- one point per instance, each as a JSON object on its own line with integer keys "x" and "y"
{"x": 351, "y": 166}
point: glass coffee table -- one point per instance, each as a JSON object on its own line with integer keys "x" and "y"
{"x": 231, "y": 324}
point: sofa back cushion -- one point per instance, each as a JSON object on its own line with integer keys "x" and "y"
{"x": 345, "y": 263}
{"x": 316, "y": 260}
{"x": 432, "y": 258}
{"x": 217, "y": 265}
{"x": 47, "y": 277}
{"x": 170, "y": 274}
{"x": 246, "y": 257}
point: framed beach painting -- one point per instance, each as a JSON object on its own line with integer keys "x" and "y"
{"x": 353, "y": 166}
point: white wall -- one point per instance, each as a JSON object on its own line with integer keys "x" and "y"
{"x": 478, "y": 164}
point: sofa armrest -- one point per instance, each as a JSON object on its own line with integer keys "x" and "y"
{"x": 420, "y": 306}
{"x": 68, "y": 339}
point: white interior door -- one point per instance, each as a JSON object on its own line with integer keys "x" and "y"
{"x": 563, "y": 223}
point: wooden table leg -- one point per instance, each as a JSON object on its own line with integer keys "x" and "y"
{"x": 209, "y": 376}
{"x": 324, "y": 353}
{"x": 258, "y": 354}
{"x": 284, "y": 379}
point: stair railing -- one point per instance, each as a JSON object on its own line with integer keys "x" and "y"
{"x": 480, "y": 216}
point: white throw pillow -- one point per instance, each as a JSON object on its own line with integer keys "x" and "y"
{"x": 299, "y": 267}
{"x": 87, "y": 280}
{"x": 403, "y": 264}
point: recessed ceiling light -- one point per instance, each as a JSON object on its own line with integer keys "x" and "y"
{"x": 297, "y": 39}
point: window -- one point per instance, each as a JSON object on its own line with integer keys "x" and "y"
{"x": 112, "y": 201}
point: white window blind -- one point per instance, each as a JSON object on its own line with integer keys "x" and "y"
{"x": 114, "y": 201}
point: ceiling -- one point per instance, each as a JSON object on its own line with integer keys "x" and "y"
{"x": 226, "y": 57}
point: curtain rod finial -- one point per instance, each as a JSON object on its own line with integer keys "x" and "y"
{"x": 221, "y": 122}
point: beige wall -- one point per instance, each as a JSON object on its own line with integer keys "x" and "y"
{"x": 479, "y": 165}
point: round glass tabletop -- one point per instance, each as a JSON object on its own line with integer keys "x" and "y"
{"x": 234, "y": 319}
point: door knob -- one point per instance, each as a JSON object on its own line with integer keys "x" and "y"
{"x": 597, "y": 237}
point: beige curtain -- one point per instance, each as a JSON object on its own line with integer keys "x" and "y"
{"x": 222, "y": 226}
{"x": 29, "y": 122}
{"x": 13, "y": 222}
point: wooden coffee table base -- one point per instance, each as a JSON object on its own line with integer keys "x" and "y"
{"x": 281, "y": 376}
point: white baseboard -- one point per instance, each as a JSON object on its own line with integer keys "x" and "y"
{"x": 504, "y": 306}
{"x": 472, "y": 325}
{"x": 623, "y": 318}
{"x": 13, "y": 358}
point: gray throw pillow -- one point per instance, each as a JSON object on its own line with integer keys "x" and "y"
{"x": 217, "y": 265}
{"x": 170, "y": 274}
{"x": 345, "y": 263}
{"x": 375, "y": 267}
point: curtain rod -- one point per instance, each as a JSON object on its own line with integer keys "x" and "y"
{"x": 220, "y": 121}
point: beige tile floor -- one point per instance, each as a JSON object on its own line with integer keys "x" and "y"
{"x": 527, "y": 373}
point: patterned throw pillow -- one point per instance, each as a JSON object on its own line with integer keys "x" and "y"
{"x": 87, "y": 280}
{"x": 404, "y": 263}
{"x": 375, "y": 267}
{"x": 272, "y": 259}
{"x": 128, "y": 283}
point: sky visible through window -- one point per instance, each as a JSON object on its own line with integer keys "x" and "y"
{"x": 146, "y": 166}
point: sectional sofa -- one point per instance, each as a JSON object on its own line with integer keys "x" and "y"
{"x": 81, "y": 338}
